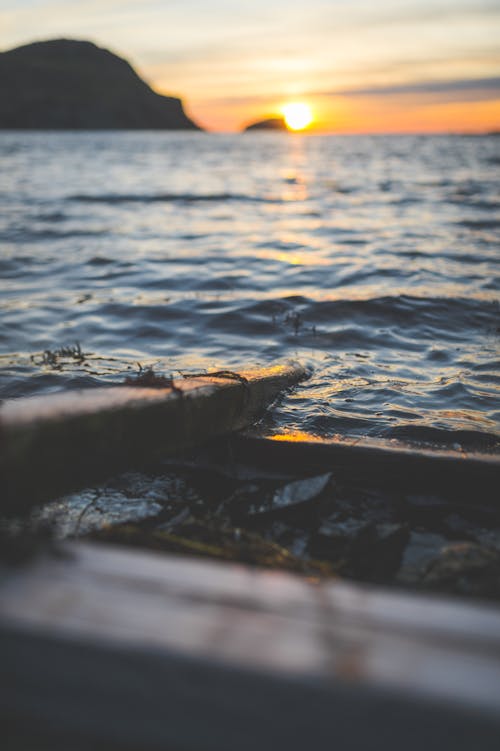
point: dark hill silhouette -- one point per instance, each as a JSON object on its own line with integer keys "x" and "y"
{"x": 272, "y": 123}
{"x": 69, "y": 84}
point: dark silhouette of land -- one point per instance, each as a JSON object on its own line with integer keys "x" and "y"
{"x": 271, "y": 123}
{"x": 69, "y": 84}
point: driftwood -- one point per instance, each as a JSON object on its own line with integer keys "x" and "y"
{"x": 105, "y": 648}
{"x": 471, "y": 476}
{"x": 58, "y": 442}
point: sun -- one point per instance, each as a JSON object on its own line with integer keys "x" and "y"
{"x": 297, "y": 115}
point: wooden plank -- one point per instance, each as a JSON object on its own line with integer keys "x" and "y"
{"x": 474, "y": 476}
{"x": 58, "y": 442}
{"x": 126, "y": 647}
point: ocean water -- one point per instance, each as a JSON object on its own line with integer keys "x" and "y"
{"x": 372, "y": 260}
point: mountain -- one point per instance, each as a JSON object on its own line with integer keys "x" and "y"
{"x": 272, "y": 123}
{"x": 69, "y": 84}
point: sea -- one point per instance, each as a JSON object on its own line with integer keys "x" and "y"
{"x": 371, "y": 260}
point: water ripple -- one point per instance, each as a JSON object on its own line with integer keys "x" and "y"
{"x": 372, "y": 260}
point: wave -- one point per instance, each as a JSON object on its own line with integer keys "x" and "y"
{"x": 480, "y": 223}
{"x": 459, "y": 257}
{"x": 117, "y": 198}
{"x": 19, "y": 235}
{"x": 427, "y": 434}
{"x": 442, "y": 312}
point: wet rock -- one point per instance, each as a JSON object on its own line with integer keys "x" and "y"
{"x": 77, "y": 515}
{"x": 367, "y": 504}
{"x": 338, "y": 538}
{"x": 296, "y": 500}
{"x": 422, "y": 547}
{"x": 363, "y": 548}
{"x": 456, "y": 525}
{"x": 426, "y": 501}
{"x": 381, "y": 554}
{"x": 162, "y": 488}
{"x": 460, "y": 527}
{"x": 130, "y": 497}
{"x": 292, "y": 538}
{"x": 426, "y": 509}
{"x": 465, "y": 568}
{"x": 176, "y": 520}
{"x": 300, "y": 491}
{"x": 488, "y": 538}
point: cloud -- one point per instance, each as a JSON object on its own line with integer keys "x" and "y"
{"x": 469, "y": 88}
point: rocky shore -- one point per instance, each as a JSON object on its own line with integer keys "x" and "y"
{"x": 321, "y": 525}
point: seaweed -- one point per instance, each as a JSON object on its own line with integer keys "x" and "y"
{"x": 295, "y": 321}
{"x": 53, "y": 357}
{"x": 147, "y": 378}
{"x": 209, "y": 540}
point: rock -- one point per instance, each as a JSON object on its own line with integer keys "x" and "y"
{"x": 465, "y": 568}
{"x": 367, "y": 550}
{"x": 293, "y": 500}
{"x": 300, "y": 491}
{"x": 489, "y": 538}
{"x": 94, "y": 509}
{"x": 456, "y": 525}
{"x": 422, "y": 547}
{"x": 427, "y": 501}
{"x": 425, "y": 509}
{"x": 381, "y": 554}
{"x": 128, "y": 498}
{"x": 69, "y": 84}
{"x": 271, "y": 123}
{"x": 337, "y": 538}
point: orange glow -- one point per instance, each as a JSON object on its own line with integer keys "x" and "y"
{"x": 297, "y": 436}
{"x": 407, "y": 115}
{"x": 365, "y": 67}
{"x": 338, "y": 114}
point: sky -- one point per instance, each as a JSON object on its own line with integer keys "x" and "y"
{"x": 362, "y": 65}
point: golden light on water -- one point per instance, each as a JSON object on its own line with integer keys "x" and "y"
{"x": 298, "y": 115}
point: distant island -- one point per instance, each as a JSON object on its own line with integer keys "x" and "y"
{"x": 68, "y": 84}
{"x": 271, "y": 123}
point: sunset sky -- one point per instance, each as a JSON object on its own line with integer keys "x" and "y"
{"x": 362, "y": 65}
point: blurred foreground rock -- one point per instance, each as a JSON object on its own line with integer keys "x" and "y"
{"x": 313, "y": 525}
